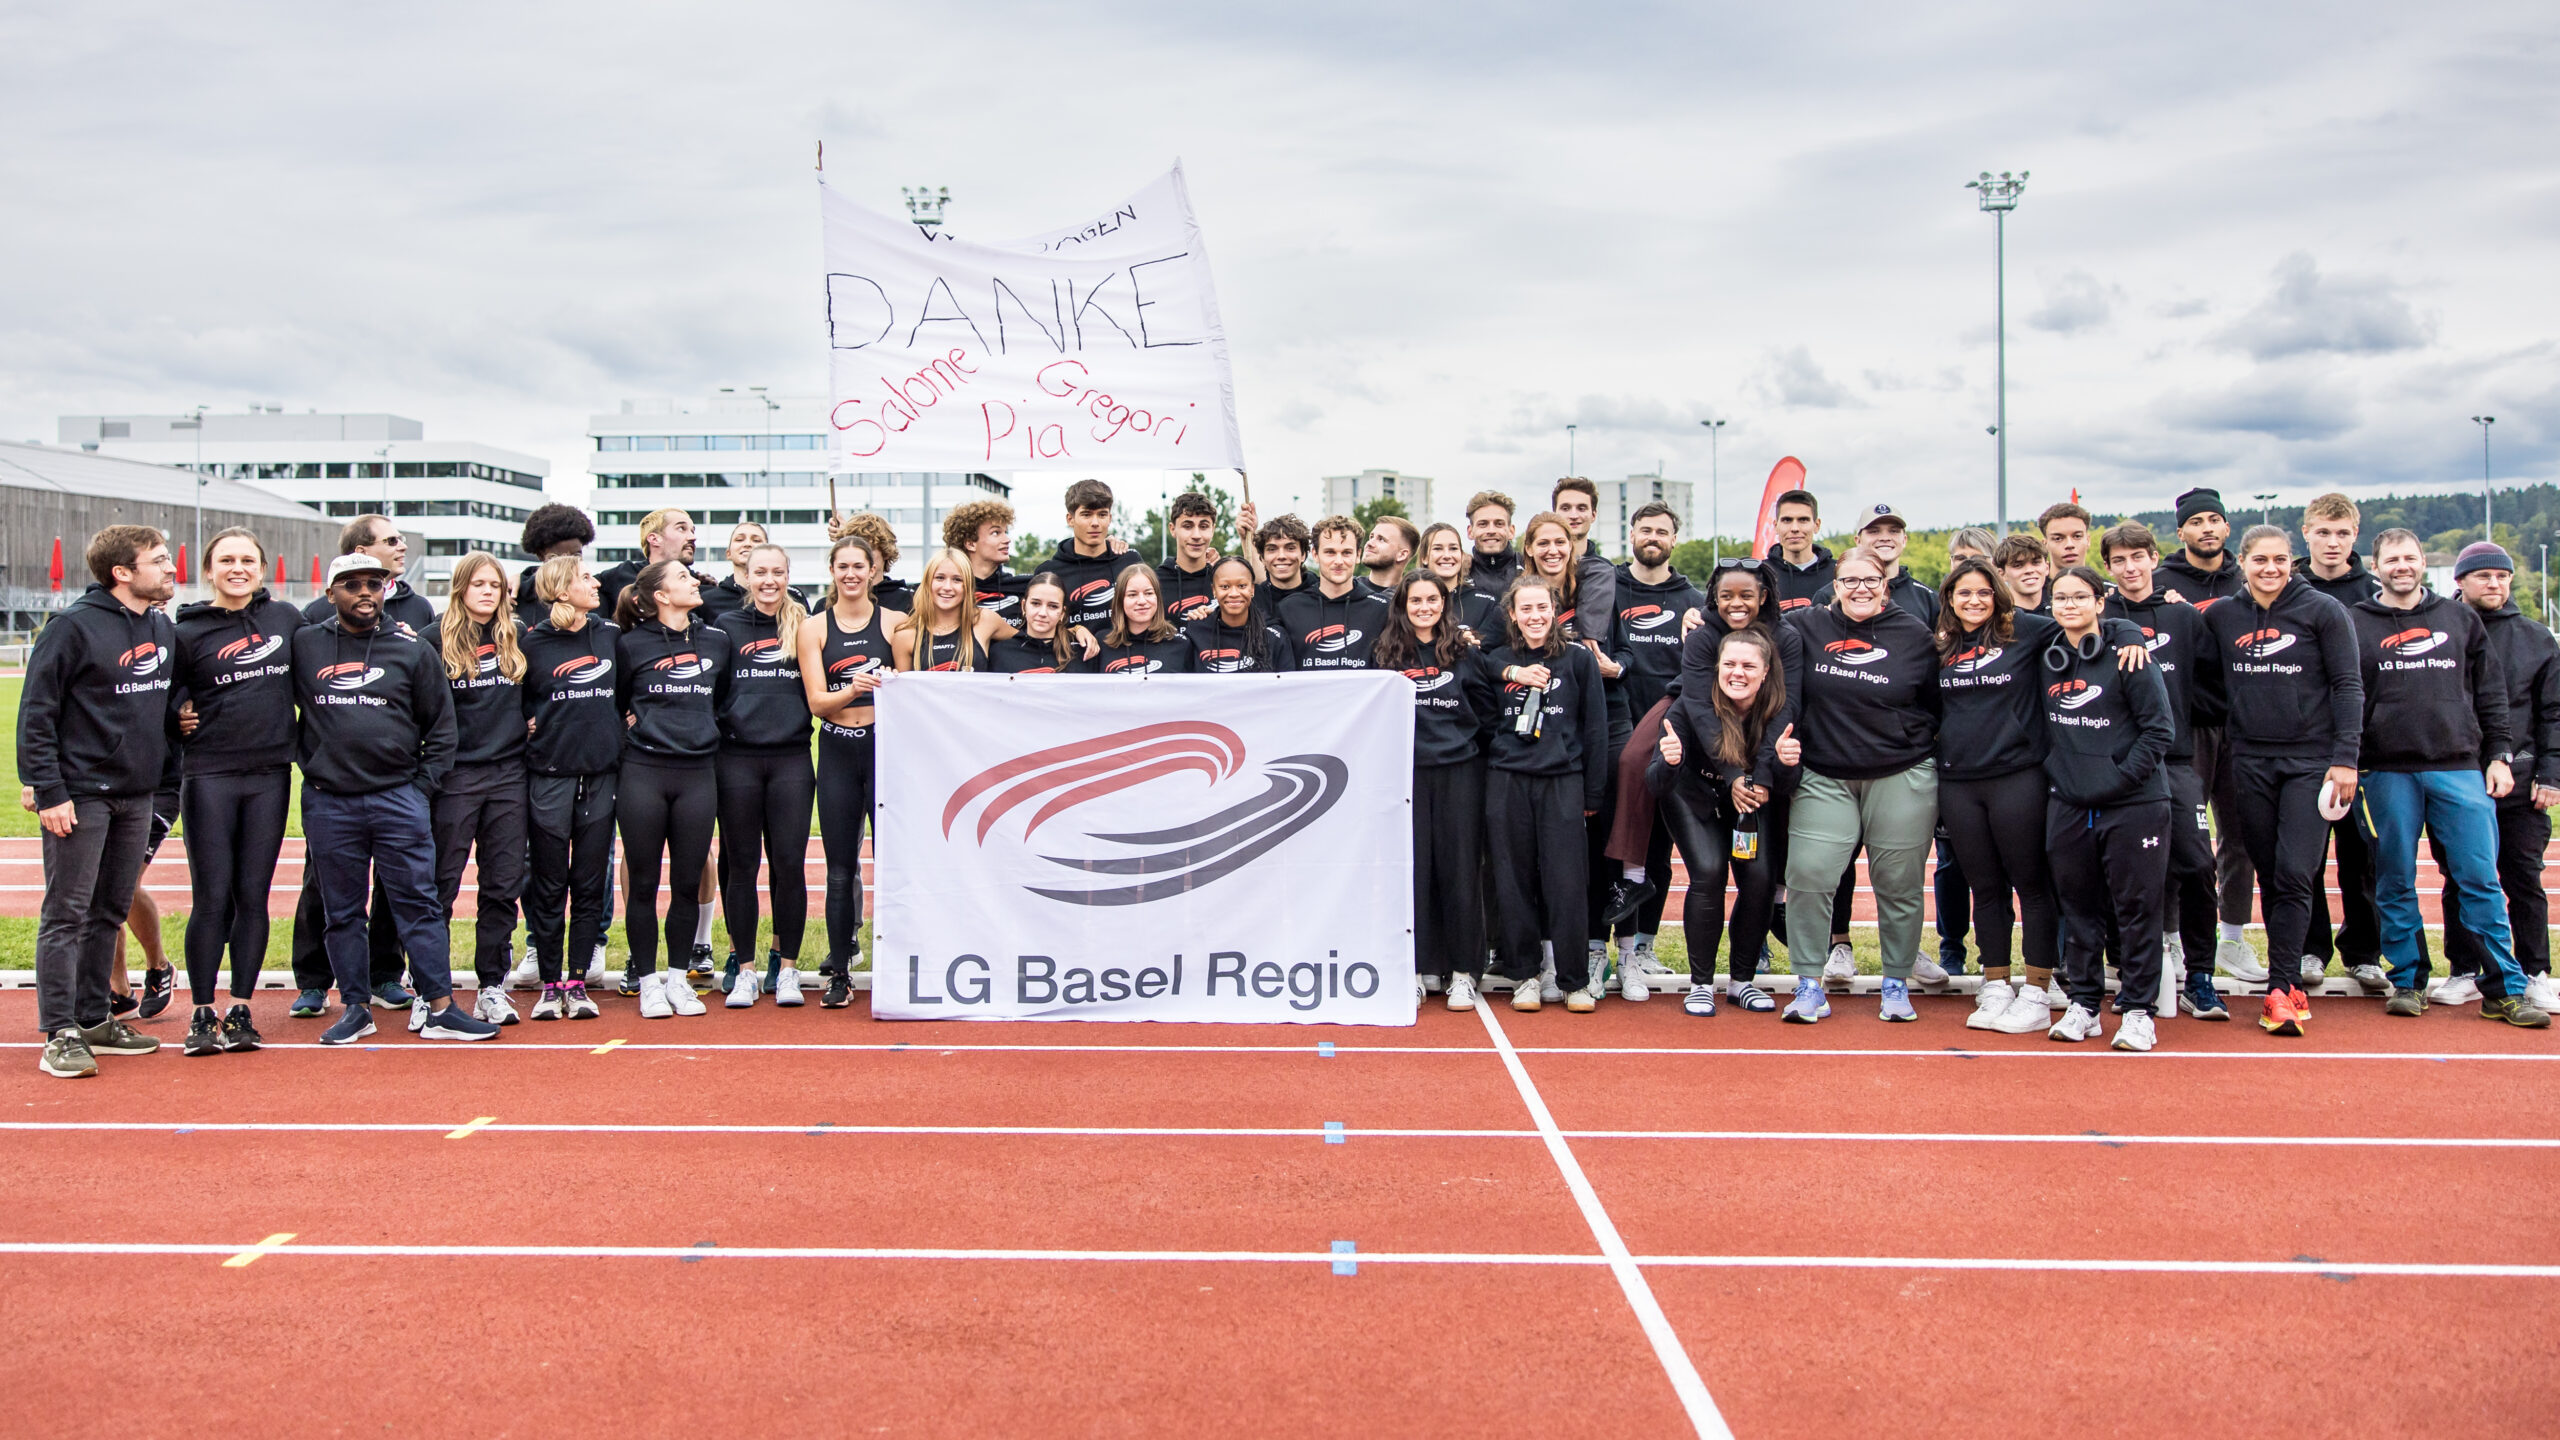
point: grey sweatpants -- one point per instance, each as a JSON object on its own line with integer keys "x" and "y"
{"x": 1895, "y": 817}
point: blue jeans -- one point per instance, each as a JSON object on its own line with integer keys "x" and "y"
{"x": 2455, "y": 807}
{"x": 352, "y": 838}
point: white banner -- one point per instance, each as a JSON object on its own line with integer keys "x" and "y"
{"x": 1179, "y": 847}
{"x": 1093, "y": 347}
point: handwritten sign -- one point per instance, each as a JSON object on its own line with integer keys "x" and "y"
{"x": 1097, "y": 346}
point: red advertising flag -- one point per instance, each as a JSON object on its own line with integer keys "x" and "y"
{"x": 57, "y": 563}
{"x": 1786, "y": 475}
{"x": 315, "y": 574}
{"x": 182, "y": 562}
{"x": 279, "y": 574}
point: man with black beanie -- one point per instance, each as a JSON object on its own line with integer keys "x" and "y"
{"x": 2202, "y": 573}
{"x": 2530, "y": 660}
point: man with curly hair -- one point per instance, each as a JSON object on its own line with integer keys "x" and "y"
{"x": 983, "y": 531}
{"x": 555, "y": 529}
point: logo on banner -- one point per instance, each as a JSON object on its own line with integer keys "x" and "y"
{"x": 143, "y": 659}
{"x": 2413, "y": 642}
{"x": 249, "y": 649}
{"x": 1855, "y": 652}
{"x": 2259, "y": 644}
{"x": 585, "y": 670}
{"x": 349, "y": 675}
{"x": 1297, "y": 791}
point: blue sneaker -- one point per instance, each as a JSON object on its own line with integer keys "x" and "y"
{"x": 392, "y": 995}
{"x": 455, "y": 1023}
{"x": 310, "y": 1004}
{"x": 1810, "y": 1003}
{"x": 2199, "y": 999}
{"x": 1897, "y": 1001}
{"x": 350, "y": 1027}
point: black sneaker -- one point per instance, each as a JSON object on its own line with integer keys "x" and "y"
{"x": 119, "y": 1006}
{"x": 392, "y": 995}
{"x": 237, "y": 1032}
{"x": 310, "y": 1005}
{"x": 729, "y": 974}
{"x": 349, "y": 1028}
{"x": 1626, "y": 897}
{"x": 701, "y": 974}
{"x": 204, "y": 1032}
{"x": 839, "y": 991}
{"x": 156, "y": 985}
{"x": 628, "y": 986}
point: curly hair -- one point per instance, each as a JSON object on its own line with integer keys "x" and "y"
{"x": 555, "y": 525}
{"x": 960, "y": 528}
{"x": 876, "y": 532}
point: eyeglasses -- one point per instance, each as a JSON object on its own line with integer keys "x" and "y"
{"x": 1857, "y": 582}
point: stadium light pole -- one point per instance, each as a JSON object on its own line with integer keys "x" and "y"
{"x": 1715, "y": 496}
{"x": 2263, "y": 501}
{"x": 2487, "y": 500}
{"x": 1998, "y": 197}
{"x": 1569, "y": 462}
{"x": 195, "y": 422}
{"x": 769, "y": 408}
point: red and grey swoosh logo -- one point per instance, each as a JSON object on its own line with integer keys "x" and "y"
{"x": 2414, "y": 642}
{"x": 143, "y": 659}
{"x": 1855, "y": 652}
{"x": 1221, "y": 660}
{"x": 2072, "y": 694}
{"x": 767, "y": 651}
{"x": 349, "y": 675}
{"x": 850, "y": 666}
{"x": 1333, "y": 639}
{"x": 250, "y": 649}
{"x": 2259, "y": 644}
{"x": 1430, "y": 678}
{"x": 1191, "y": 607}
{"x": 1091, "y": 595}
{"x": 684, "y": 665}
{"x": 1160, "y": 864}
{"x": 585, "y": 670}
{"x": 1646, "y": 617}
{"x": 1968, "y": 661}
{"x": 487, "y": 658}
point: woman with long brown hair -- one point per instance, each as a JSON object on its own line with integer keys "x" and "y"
{"x": 481, "y": 807}
{"x": 1716, "y": 792}
{"x": 1041, "y": 648}
{"x": 1143, "y": 640}
{"x": 843, "y": 658}
{"x": 1453, "y": 697}
{"x": 1547, "y": 551}
{"x": 1549, "y": 765}
{"x": 573, "y": 752}
{"x": 671, "y": 675}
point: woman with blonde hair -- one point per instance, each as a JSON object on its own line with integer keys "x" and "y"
{"x": 766, "y": 785}
{"x": 946, "y": 630}
{"x": 843, "y": 658}
{"x": 482, "y": 805}
{"x": 573, "y": 750}
{"x": 1548, "y": 552}
{"x": 1143, "y": 640}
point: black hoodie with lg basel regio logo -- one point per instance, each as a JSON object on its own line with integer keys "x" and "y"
{"x": 2289, "y": 672}
{"x": 1867, "y": 695}
{"x": 669, "y": 684}
{"x": 1331, "y": 634}
{"x": 568, "y": 694}
{"x": 2435, "y": 691}
{"x": 93, "y": 719}
{"x": 376, "y": 710}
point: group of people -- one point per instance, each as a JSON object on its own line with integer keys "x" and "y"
{"x": 2104, "y": 749}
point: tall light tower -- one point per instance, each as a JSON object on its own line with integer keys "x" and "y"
{"x": 769, "y": 407}
{"x": 1715, "y": 497}
{"x": 1568, "y": 450}
{"x": 2264, "y": 499}
{"x": 195, "y": 422}
{"x": 924, "y": 205}
{"x": 2486, "y": 499}
{"x": 1999, "y": 197}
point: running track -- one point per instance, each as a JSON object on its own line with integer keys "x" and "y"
{"x": 1626, "y": 1224}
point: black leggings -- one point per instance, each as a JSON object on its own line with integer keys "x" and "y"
{"x": 1705, "y": 838}
{"x": 1541, "y": 877}
{"x": 569, "y": 868}
{"x": 235, "y": 828}
{"x": 764, "y": 811}
{"x": 481, "y": 808}
{"x": 665, "y": 809}
{"x": 844, "y": 809}
{"x": 1997, "y": 829}
{"x": 2280, "y": 823}
{"x": 1448, "y": 869}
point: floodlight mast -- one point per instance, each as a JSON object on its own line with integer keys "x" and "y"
{"x": 1999, "y": 196}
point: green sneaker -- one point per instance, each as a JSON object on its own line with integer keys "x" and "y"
{"x": 67, "y": 1055}
{"x": 117, "y": 1038}
{"x": 2406, "y": 1002}
{"x": 2516, "y": 1011}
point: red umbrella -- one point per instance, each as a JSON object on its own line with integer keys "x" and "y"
{"x": 57, "y": 563}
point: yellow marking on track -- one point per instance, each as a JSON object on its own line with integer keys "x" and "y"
{"x": 268, "y": 1246}
{"x": 606, "y": 1048}
{"x": 465, "y": 1132}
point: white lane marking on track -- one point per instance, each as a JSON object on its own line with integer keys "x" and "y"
{"x": 1283, "y": 1132}
{"x": 2030, "y": 1265}
{"x": 1683, "y": 1372}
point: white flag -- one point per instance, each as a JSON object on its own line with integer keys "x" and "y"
{"x": 1094, "y": 347}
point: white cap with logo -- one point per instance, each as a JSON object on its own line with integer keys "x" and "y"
{"x": 358, "y": 563}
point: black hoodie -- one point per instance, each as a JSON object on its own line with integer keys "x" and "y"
{"x": 1335, "y": 634}
{"x": 2355, "y": 585}
{"x": 2289, "y": 671}
{"x": 2180, "y": 578}
{"x": 237, "y": 666}
{"x": 1798, "y": 584}
{"x": 2173, "y": 630}
{"x": 568, "y": 695}
{"x": 1185, "y": 593}
{"x": 1452, "y": 705}
{"x": 1699, "y": 759}
{"x": 2107, "y": 728}
{"x": 1867, "y": 694}
{"x": 531, "y": 608}
{"x": 1575, "y": 732}
{"x": 766, "y": 711}
{"x": 2530, "y": 659}
{"x": 1258, "y": 646}
{"x": 1089, "y": 583}
{"x": 1648, "y": 634}
{"x": 488, "y": 708}
{"x": 1024, "y": 655}
{"x": 93, "y": 719}
{"x": 1991, "y": 701}
{"x": 376, "y": 711}
{"x": 2435, "y": 694}
{"x": 1491, "y": 575}
{"x": 1696, "y": 703}
{"x": 721, "y": 601}
{"x": 1170, "y": 656}
{"x": 398, "y": 603}
{"x": 672, "y": 685}
{"x": 1000, "y": 595}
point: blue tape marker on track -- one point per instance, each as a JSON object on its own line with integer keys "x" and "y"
{"x": 1324, "y": 1049}
{"x": 1333, "y": 1132}
{"x": 1345, "y": 1266}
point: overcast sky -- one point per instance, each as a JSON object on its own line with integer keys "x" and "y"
{"x": 2270, "y": 247}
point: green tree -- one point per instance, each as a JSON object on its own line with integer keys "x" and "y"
{"x": 1153, "y": 537}
{"x": 1029, "y": 550}
{"x": 1368, "y": 512}
{"x": 1695, "y": 559}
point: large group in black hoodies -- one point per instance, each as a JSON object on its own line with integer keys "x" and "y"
{"x": 2109, "y": 748}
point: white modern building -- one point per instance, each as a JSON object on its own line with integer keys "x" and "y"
{"x": 1346, "y": 493}
{"x": 743, "y": 455}
{"x": 450, "y": 496}
{"x": 1621, "y": 499}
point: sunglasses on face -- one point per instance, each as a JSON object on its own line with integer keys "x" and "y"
{"x": 1732, "y": 563}
{"x": 361, "y": 584}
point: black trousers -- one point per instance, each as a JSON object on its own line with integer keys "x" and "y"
{"x": 1541, "y": 873}
{"x": 235, "y": 830}
{"x": 2109, "y": 865}
{"x": 2523, "y": 834}
{"x": 845, "y": 794}
{"x": 2279, "y": 804}
{"x": 764, "y": 813}
{"x": 666, "y": 814}
{"x": 1955, "y": 900}
{"x": 569, "y": 867}
{"x": 2358, "y": 938}
{"x": 1996, "y": 828}
{"x": 484, "y": 808}
{"x": 1600, "y": 869}
{"x": 1705, "y": 837}
{"x": 2191, "y": 894}
{"x": 89, "y": 877}
{"x": 2234, "y": 878}
{"x": 1448, "y": 869}
{"x": 311, "y": 969}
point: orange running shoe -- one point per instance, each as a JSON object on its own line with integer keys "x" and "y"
{"x": 2301, "y": 1004}
{"x": 2280, "y": 1017}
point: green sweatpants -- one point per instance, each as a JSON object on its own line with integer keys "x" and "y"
{"x": 1895, "y": 817}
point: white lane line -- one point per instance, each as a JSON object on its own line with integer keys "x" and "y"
{"x": 277, "y": 1247}
{"x": 484, "y": 1126}
{"x": 2043, "y": 1052}
{"x": 1685, "y": 1382}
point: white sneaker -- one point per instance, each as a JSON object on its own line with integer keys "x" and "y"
{"x": 1583, "y": 1001}
{"x": 2456, "y": 990}
{"x": 418, "y": 1013}
{"x": 1528, "y": 995}
{"x": 1994, "y": 1001}
{"x": 527, "y": 975}
{"x": 493, "y": 1007}
{"x": 1632, "y": 983}
{"x": 2027, "y": 1013}
{"x": 2314, "y": 972}
{"x": 2543, "y": 992}
{"x": 2374, "y": 979}
{"x": 1549, "y": 992}
{"x": 595, "y": 968}
{"x": 1421, "y": 992}
{"x": 680, "y": 995}
{"x": 1646, "y": 962}
{"x": 786, "y": 988}
{"x": 744, "y": 990}
{"x": 1841, "y": 968}
{"x": 2075, "y": 1025}
{"x": 1462, "y": 991}
{"x": 2235, "y": 959}
{"x": 1430, "y": 984}
{"x": 654, "y": 1004}
{"x": 1925, "y": 971}
{"x": 2134, "y": 1033}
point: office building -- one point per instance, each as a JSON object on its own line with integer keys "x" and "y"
{"x": 1345, "y": 493}
{"x": 741, "y": 455}
{"x": 449, "y": 496}
{"x": 1621, "y": 499}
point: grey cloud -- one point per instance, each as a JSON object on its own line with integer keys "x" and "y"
{"x": 2074, "y": 301}
{"x": 1792, "y": 377}
{"x": 2285, "y": 404}
{"x": 2311, "y": 313}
